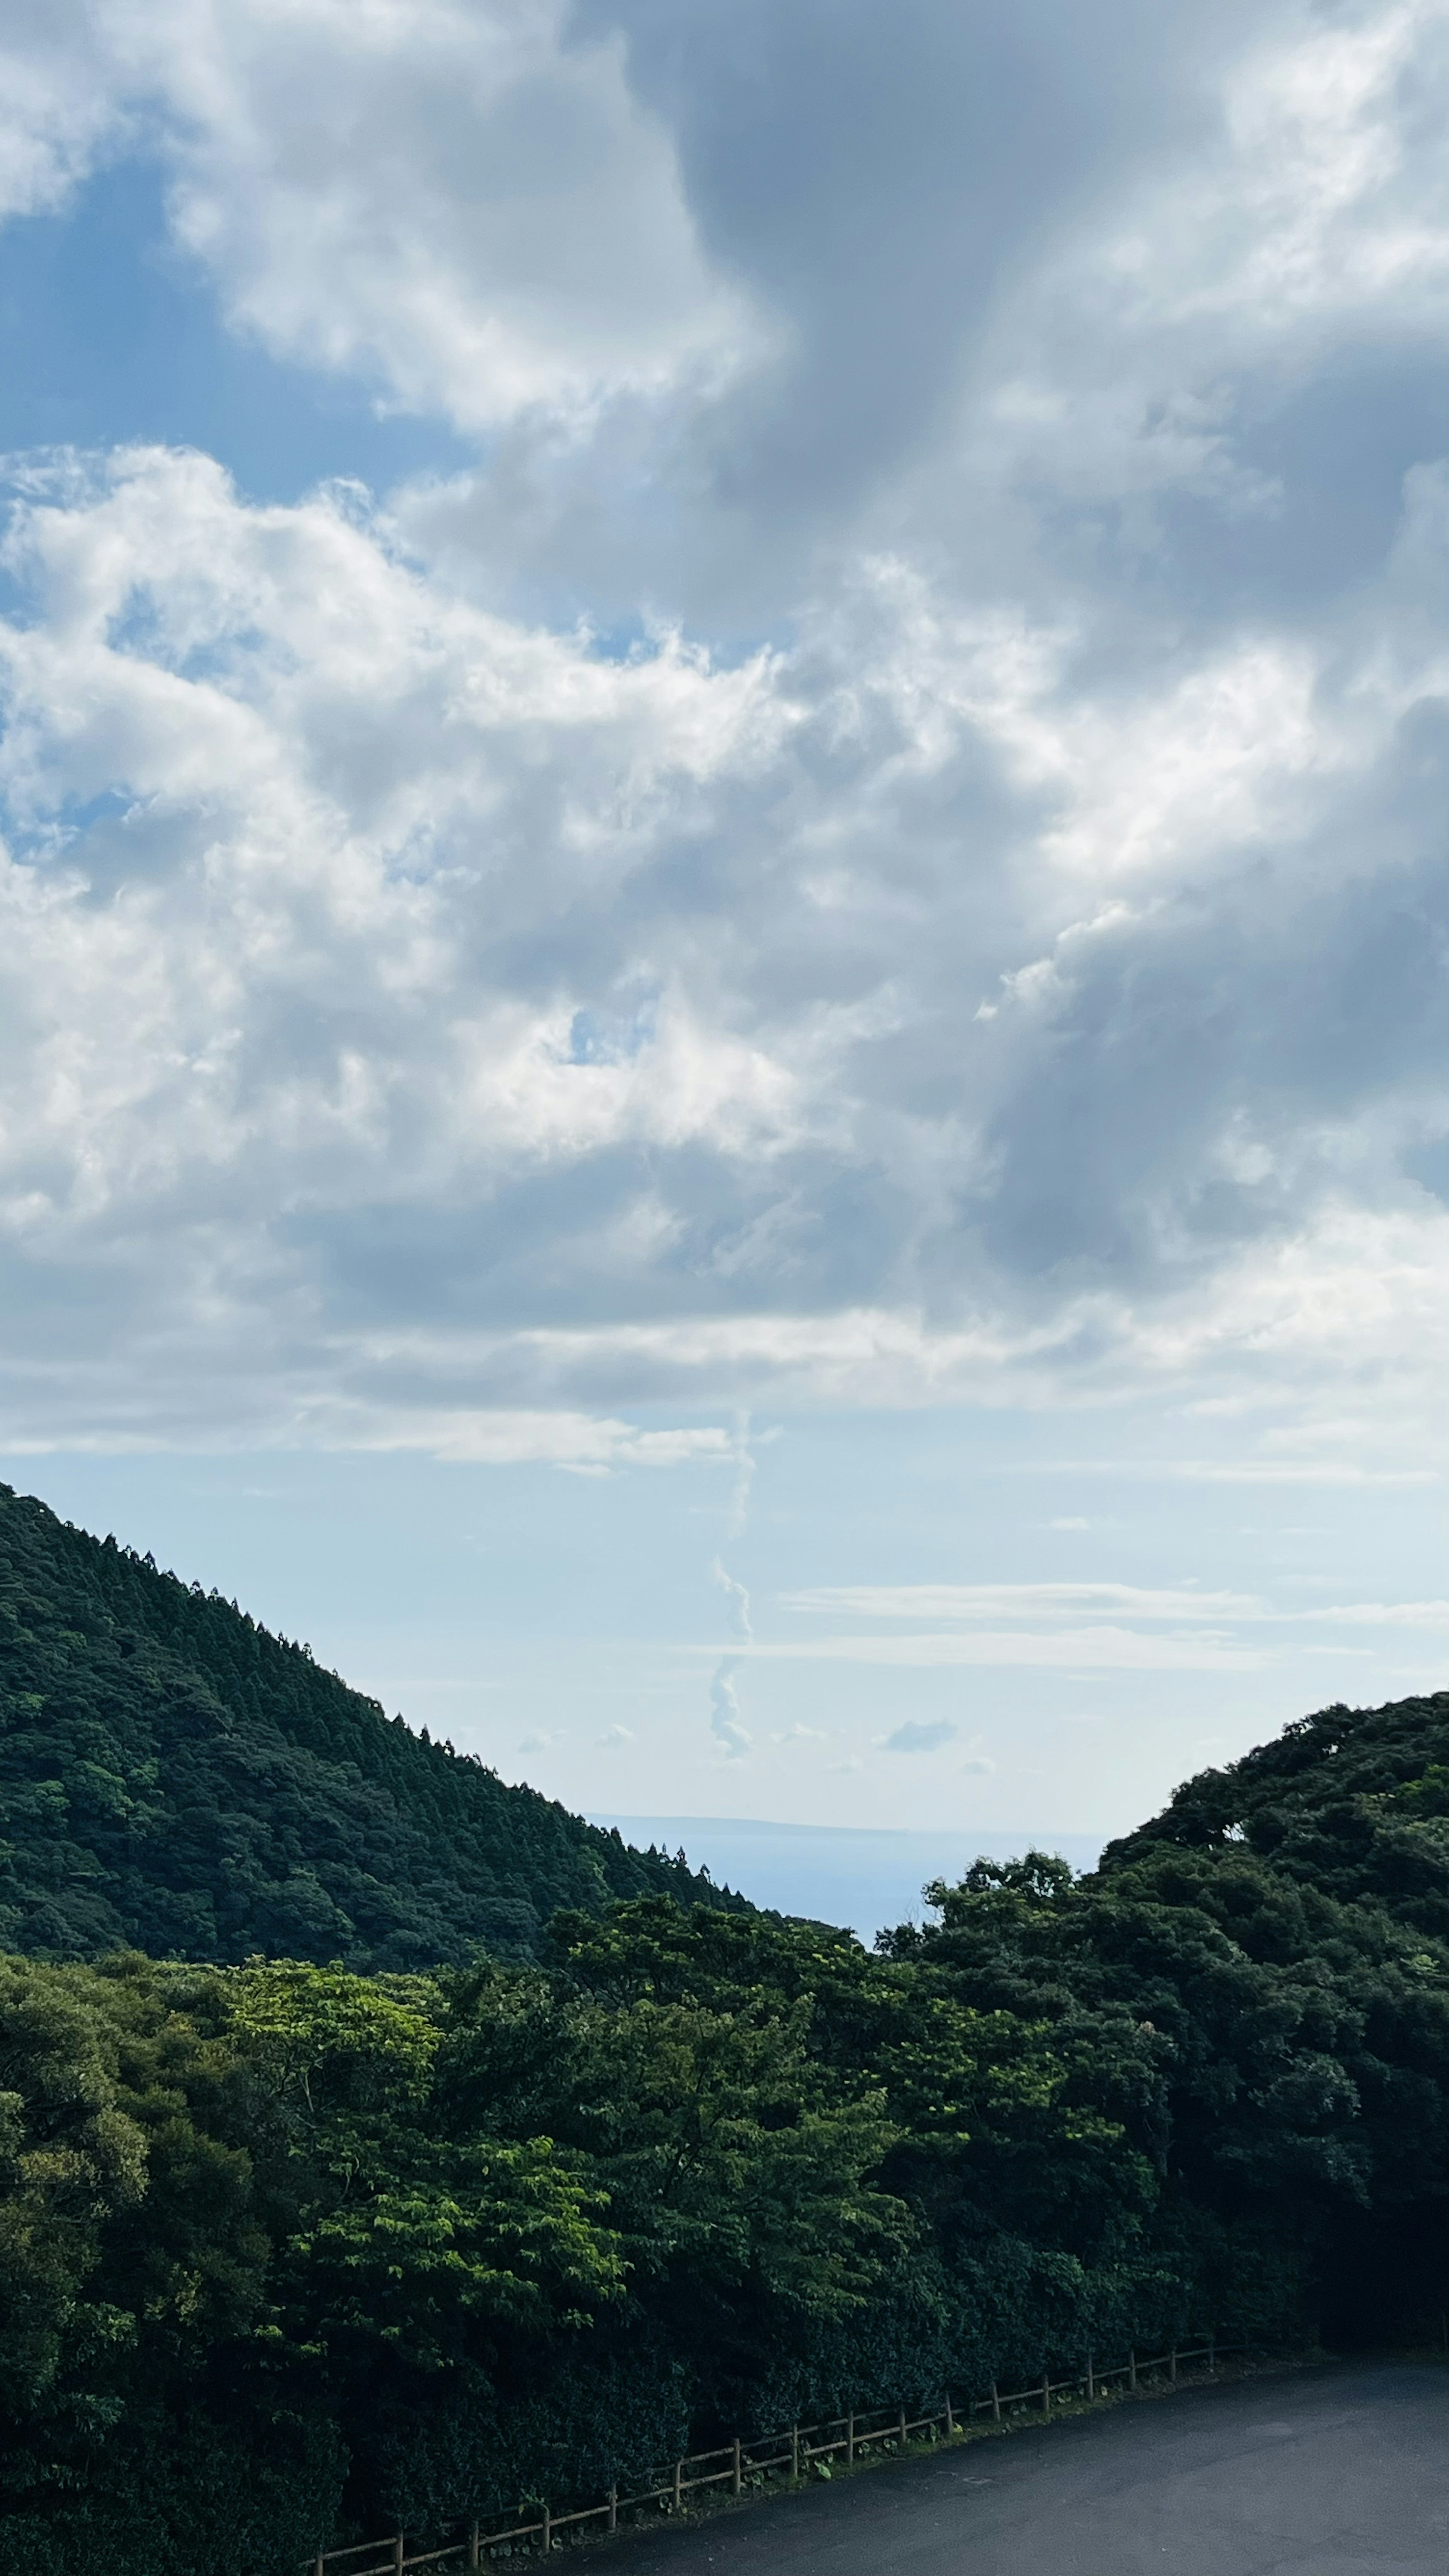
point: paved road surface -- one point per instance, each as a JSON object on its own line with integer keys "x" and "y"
{"x": 1338, "y": 2471}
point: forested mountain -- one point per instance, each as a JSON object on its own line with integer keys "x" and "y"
{"x": 1267, "y": 1960}
{"x": 174, "y": 1778}
{"x": 291, "y": 2255}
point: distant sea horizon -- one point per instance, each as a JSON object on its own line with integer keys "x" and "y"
{"x": 863, "y": 1876}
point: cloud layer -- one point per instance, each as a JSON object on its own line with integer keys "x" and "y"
{"x": 885, "y": 842}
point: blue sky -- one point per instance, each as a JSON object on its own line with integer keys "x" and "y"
{"x": 723, "y": 805}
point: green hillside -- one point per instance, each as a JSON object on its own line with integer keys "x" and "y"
{"x": 175, "y": 1779}
{"x": 292, "y": 2256}
{"x": 1352, "y": 1802}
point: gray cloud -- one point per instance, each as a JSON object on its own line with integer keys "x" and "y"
{"x": 880, "y": 185}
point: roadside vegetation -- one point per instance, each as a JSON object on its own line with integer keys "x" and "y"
{"x": 292, "y": 2251}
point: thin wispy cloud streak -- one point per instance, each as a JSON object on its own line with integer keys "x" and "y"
{"x": 978, "y": 1601}
{"x": 724, "y": 1709}
{"x": 1098, "y": 1649}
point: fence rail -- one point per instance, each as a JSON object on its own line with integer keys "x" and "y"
{"x": 795, "y": 2450}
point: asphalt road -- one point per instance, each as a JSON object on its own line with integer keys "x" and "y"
{"x": 1336, "y": 2471}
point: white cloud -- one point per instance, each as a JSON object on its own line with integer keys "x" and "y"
{"x": 1281, "y": 1471}
{"x": 586, "y": 1444}
{"x": 737, "y": 1599}
{"x": 729, "y": 1733}
{"x": 1384, "y": 1614}
{"x": 58, "y": 103}
{"x": 432, "y": 1025}
{"x": 920, "y": 1735}
{"x": 465, "y": 205}
{"x": 466, "y": 202}
{"x": 1319, "y": 206}
{"x": 343, "y": 915}
{"x": 1215, "y": 281}
{"x": 1103, "y": 1649}
{"x": 974, "y": 1601}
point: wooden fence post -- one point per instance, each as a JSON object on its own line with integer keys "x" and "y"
{"x": 471, "y": 2548}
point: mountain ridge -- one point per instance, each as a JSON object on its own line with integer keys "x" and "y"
{"x": 176, "y": 1779}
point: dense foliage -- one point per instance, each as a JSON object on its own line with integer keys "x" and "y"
{"x": 1352, "y": 1803}
{"x": 173, "y": 1777}
{"x": 290, "y": 2253}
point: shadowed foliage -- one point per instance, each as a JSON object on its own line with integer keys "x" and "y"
{"x": 1352, "y": 1802}
{"x": 292, "y": 2252}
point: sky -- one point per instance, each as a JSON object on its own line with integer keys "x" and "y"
{"x": 722, "y": 847}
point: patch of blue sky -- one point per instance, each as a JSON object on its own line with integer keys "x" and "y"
{"x": 638, "y": 638}
{"x": 110, "y": 336}
{"x": 32, "y": 841}
{"x": 139, "y": 631}
{"x": 628, "y": 639}
{"x": 18, "y": 605}
{"x": 607, "y": 1037}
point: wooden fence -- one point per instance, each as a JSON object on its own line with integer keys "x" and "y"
{"x": 844, "y": 2437}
